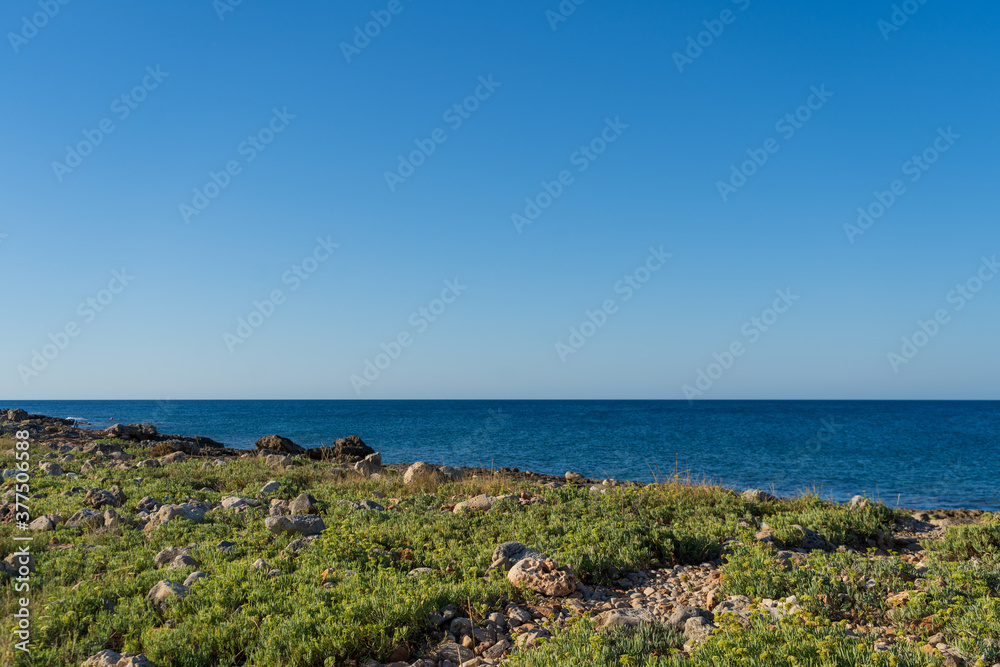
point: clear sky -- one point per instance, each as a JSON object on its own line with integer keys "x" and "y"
{"x": 668, "y": 167}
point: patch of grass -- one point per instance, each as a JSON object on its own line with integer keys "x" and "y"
{"x": 765, "y": 644}
{"x": 978, "y": 540}
{"x": 90, "y": 587}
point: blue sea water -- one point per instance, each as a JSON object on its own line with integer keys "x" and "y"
{"x": 920, "y": 454}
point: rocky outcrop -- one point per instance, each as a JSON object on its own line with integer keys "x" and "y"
{"x": 370, "y": 465}
{"x": 419, "y": 471}
{"x": 276, "y": 443}
{"x": 542, "y": 576}
{"x": 344, "y": 450}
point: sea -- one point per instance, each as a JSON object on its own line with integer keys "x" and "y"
{"x": 912, "y": 454}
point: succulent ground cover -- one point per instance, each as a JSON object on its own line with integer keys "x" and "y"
{"x": 666, "y": 574}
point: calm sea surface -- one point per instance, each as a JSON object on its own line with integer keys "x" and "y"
{"x": 920, "y": 454}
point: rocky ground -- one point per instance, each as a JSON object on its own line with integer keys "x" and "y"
{"x": 686, "y": 597}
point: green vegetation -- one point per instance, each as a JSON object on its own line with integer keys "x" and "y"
{"x": 763, "y": 644}
{"x": 350, "y": 594}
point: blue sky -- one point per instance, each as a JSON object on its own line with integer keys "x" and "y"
{"x": 641, "y": 136}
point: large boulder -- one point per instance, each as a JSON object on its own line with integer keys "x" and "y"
{"x": 278, "y": 460}
{"x": 542, "y": 576}
{"x": 276, "y": 443}
{"x": 369, "y": 465}
{"x": 351, "y": 448}
{"x": 302, "y": 524}
{"x": 421, "y": 470}
{"x": 131, "y": 431}
{"x": 344, "y": 450}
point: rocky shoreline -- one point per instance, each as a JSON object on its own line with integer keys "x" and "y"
{"x": 687, "y": 598}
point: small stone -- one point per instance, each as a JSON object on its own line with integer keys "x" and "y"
{"x": 270, "y": 487}
{"x": 758, "y": 496}
{"x": 50, "y": 469}
{"x": 195, "y": 576}
{"x": 697, "y": 629}
{"x": 509, "y": 553}
{"x": 304, "y": 503}
{"x": 164, "y": 591}
{"x": 182, "y": 560}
